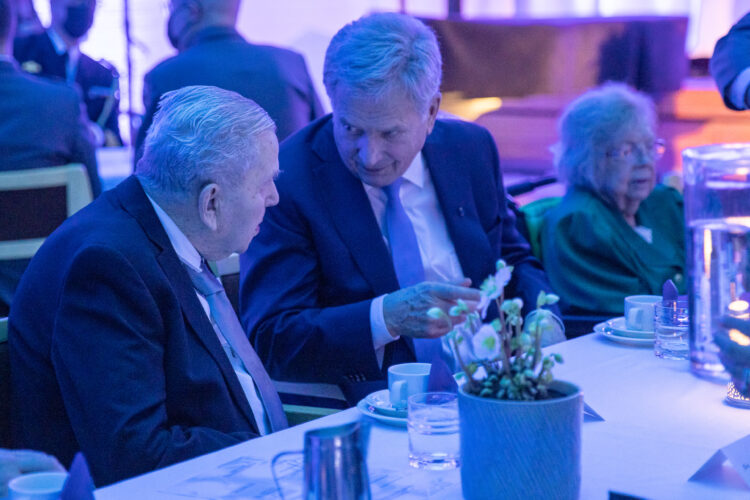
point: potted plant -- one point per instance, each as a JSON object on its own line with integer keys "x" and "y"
{"x": 520, "y": 428}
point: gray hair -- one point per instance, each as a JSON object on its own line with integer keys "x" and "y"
{"x": 382, "y": 52}
{"x": 588, "y": 127}
{"x": 201, "y": 134}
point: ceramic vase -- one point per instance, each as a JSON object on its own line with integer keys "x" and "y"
{"x": 521, "y": 449}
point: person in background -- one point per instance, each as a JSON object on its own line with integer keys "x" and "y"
{"x": 616, "y": 232}
{"x": 212, "y": 52}
{"x": 56, "y": 53}
{"x": 43, "y": 124}
{"x": 730, "y": 65}
{"x": 13, "y": 463}
{"x": 122, "y": 343}
{"x": 385, "y": 212}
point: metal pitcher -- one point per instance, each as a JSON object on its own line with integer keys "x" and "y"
{"x": 335, "y": 463}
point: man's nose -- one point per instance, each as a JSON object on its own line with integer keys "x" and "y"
{"x": 369, "y": 150}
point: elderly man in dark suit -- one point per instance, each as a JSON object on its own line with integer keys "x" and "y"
{"x": 122, "y": 342}
{"x": 385, "y": 212}
{"x": 211, "y": 52}
{"x": 43, "y": 125}
{"x": 55, "y": 54}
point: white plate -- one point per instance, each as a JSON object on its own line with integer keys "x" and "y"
{"x": 617, "y": 327}
{"x": 381, "y": 403}
{"x": 370, "y": 411}
{"x": 602, "y": 329}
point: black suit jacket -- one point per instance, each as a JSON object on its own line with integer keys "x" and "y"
{"x": 111, "y": 352}
{"x": 308, "y": 278}
{"x": 275, "y": 78}
{"x": 95, "y": 80}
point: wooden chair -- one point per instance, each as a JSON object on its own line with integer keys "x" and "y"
{"x": 36, "y": 201}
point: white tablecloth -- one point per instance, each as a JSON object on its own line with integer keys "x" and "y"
{"x": 661, "y": 424}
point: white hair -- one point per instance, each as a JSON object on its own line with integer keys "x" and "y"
{"x": 201, "y": 134}
{"x": 382, "y": 52}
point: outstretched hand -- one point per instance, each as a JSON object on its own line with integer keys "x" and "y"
{"x": 405, "y": 311}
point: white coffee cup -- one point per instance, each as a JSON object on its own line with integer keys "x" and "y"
{"x": 37, "y": 486}
{"x": 405, "y": 380}
{"x": 639, "y": 312}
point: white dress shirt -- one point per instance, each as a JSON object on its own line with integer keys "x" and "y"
{"x": 190, "y": 257}
{"x": 439, "y": 257}
{"x": 738, "y": 89}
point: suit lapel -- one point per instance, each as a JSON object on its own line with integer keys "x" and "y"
{"x": 349, "y": 207}
{"x": 136, "y": 203}
{"x": 453, "y": 189}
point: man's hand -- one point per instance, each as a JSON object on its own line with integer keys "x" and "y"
{"x": 13, "y": 463}
{"x": 405, "y": 311}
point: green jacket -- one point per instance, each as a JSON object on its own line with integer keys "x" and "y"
{"x": 594, "y": 259}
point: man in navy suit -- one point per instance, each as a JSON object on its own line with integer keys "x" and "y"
{"x": 211, "y": 52}
{"x": 730, "y": 65}
{"x": 43, "y": 125}
{"x": 324, "y": 295}
{"x": 55, "y": 54}
{"x": 116, "y": 346}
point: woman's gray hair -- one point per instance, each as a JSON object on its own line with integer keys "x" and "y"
{"x": 588, "y": 127}
{"x": 201, "y": 134}
{"x": 382, "y": 52}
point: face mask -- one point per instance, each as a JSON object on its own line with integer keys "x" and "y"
{"x": 79, "y": 19}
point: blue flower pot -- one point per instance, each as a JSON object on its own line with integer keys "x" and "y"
{"x": 521, "y": 449}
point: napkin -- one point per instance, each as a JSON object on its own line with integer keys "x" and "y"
{"x": 441, "y": 378}
{"x": 669, "y": 293}
{"x": 735, "y": 456}
{"x": 79, "y": 485}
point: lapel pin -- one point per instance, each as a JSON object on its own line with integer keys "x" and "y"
{"x": 460, "y": 211}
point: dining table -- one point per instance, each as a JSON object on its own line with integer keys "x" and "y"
{"x": 659, "y": 425}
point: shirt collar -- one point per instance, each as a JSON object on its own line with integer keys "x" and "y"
{"x": 415, "y": 172}
{"x": 59, "y": 44}
{"x": 185, "y": 250}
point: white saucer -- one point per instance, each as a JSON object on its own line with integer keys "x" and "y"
{"x": 617, "y": 327}
{"x": 370, "y": 411}
{"x": 602, "y": 329}
{"x": 381, "y": 403}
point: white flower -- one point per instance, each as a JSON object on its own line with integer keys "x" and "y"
{"x": 486, "y": 343}
{"x": 493, "y": 286}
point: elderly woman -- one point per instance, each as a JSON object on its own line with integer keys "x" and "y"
{"x": 615, "y": 233}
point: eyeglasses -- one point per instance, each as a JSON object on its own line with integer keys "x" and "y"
{"x": 651, "y": 150}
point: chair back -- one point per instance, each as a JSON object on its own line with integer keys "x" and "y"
{"x": 533, "y": 215}
{"x": 4, "y": 385}
{"x": 39, "y": 199}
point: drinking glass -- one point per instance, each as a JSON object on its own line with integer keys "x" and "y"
{"x": 432, "y": 421}
{"x": 671, "y": 327}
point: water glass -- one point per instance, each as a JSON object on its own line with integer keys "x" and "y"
{"x": 432, "y": 421}
{"x": 671, "y": 328}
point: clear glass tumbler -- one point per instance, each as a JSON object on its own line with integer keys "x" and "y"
{"x": 671, "y": 326}
{"x": 432, "y": 422}
{"x": 717, "y": 219}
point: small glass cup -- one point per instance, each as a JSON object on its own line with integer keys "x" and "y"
{"x": 432, "y": 421}
{"x": 671, "y": 328}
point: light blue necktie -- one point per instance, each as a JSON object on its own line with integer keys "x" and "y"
{"x": 407, "y": 262}
{"x": 229, "y": 327}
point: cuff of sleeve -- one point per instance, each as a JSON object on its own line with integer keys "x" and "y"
{"x": 380, "y": 334}
{"x": 739, "y": 88}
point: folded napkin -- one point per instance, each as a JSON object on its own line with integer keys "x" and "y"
{"x": 79, "y": 485}
{"x": 441, "y": 378}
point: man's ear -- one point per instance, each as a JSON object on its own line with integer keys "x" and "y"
{"x": 209, "y": 205}
{"x": 432, "y": 111}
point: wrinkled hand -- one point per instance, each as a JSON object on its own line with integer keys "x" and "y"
{"x": 405, "y": 311}
{"x": 13, "y": 463}
{"x": 736, "y": 358}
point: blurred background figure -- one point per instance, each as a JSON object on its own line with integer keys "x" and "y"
{"x": 615, "y": 233}
{"x": 28, "y": 20}
{"x": 55, "y": 53}
{"x": 55, "y": 133}
{"x": 13, "y": 463}
{"x": 730, "y": 65}
{"x": 212, "y": 52}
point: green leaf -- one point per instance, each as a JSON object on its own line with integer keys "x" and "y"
{"x": 436, "y": 313}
